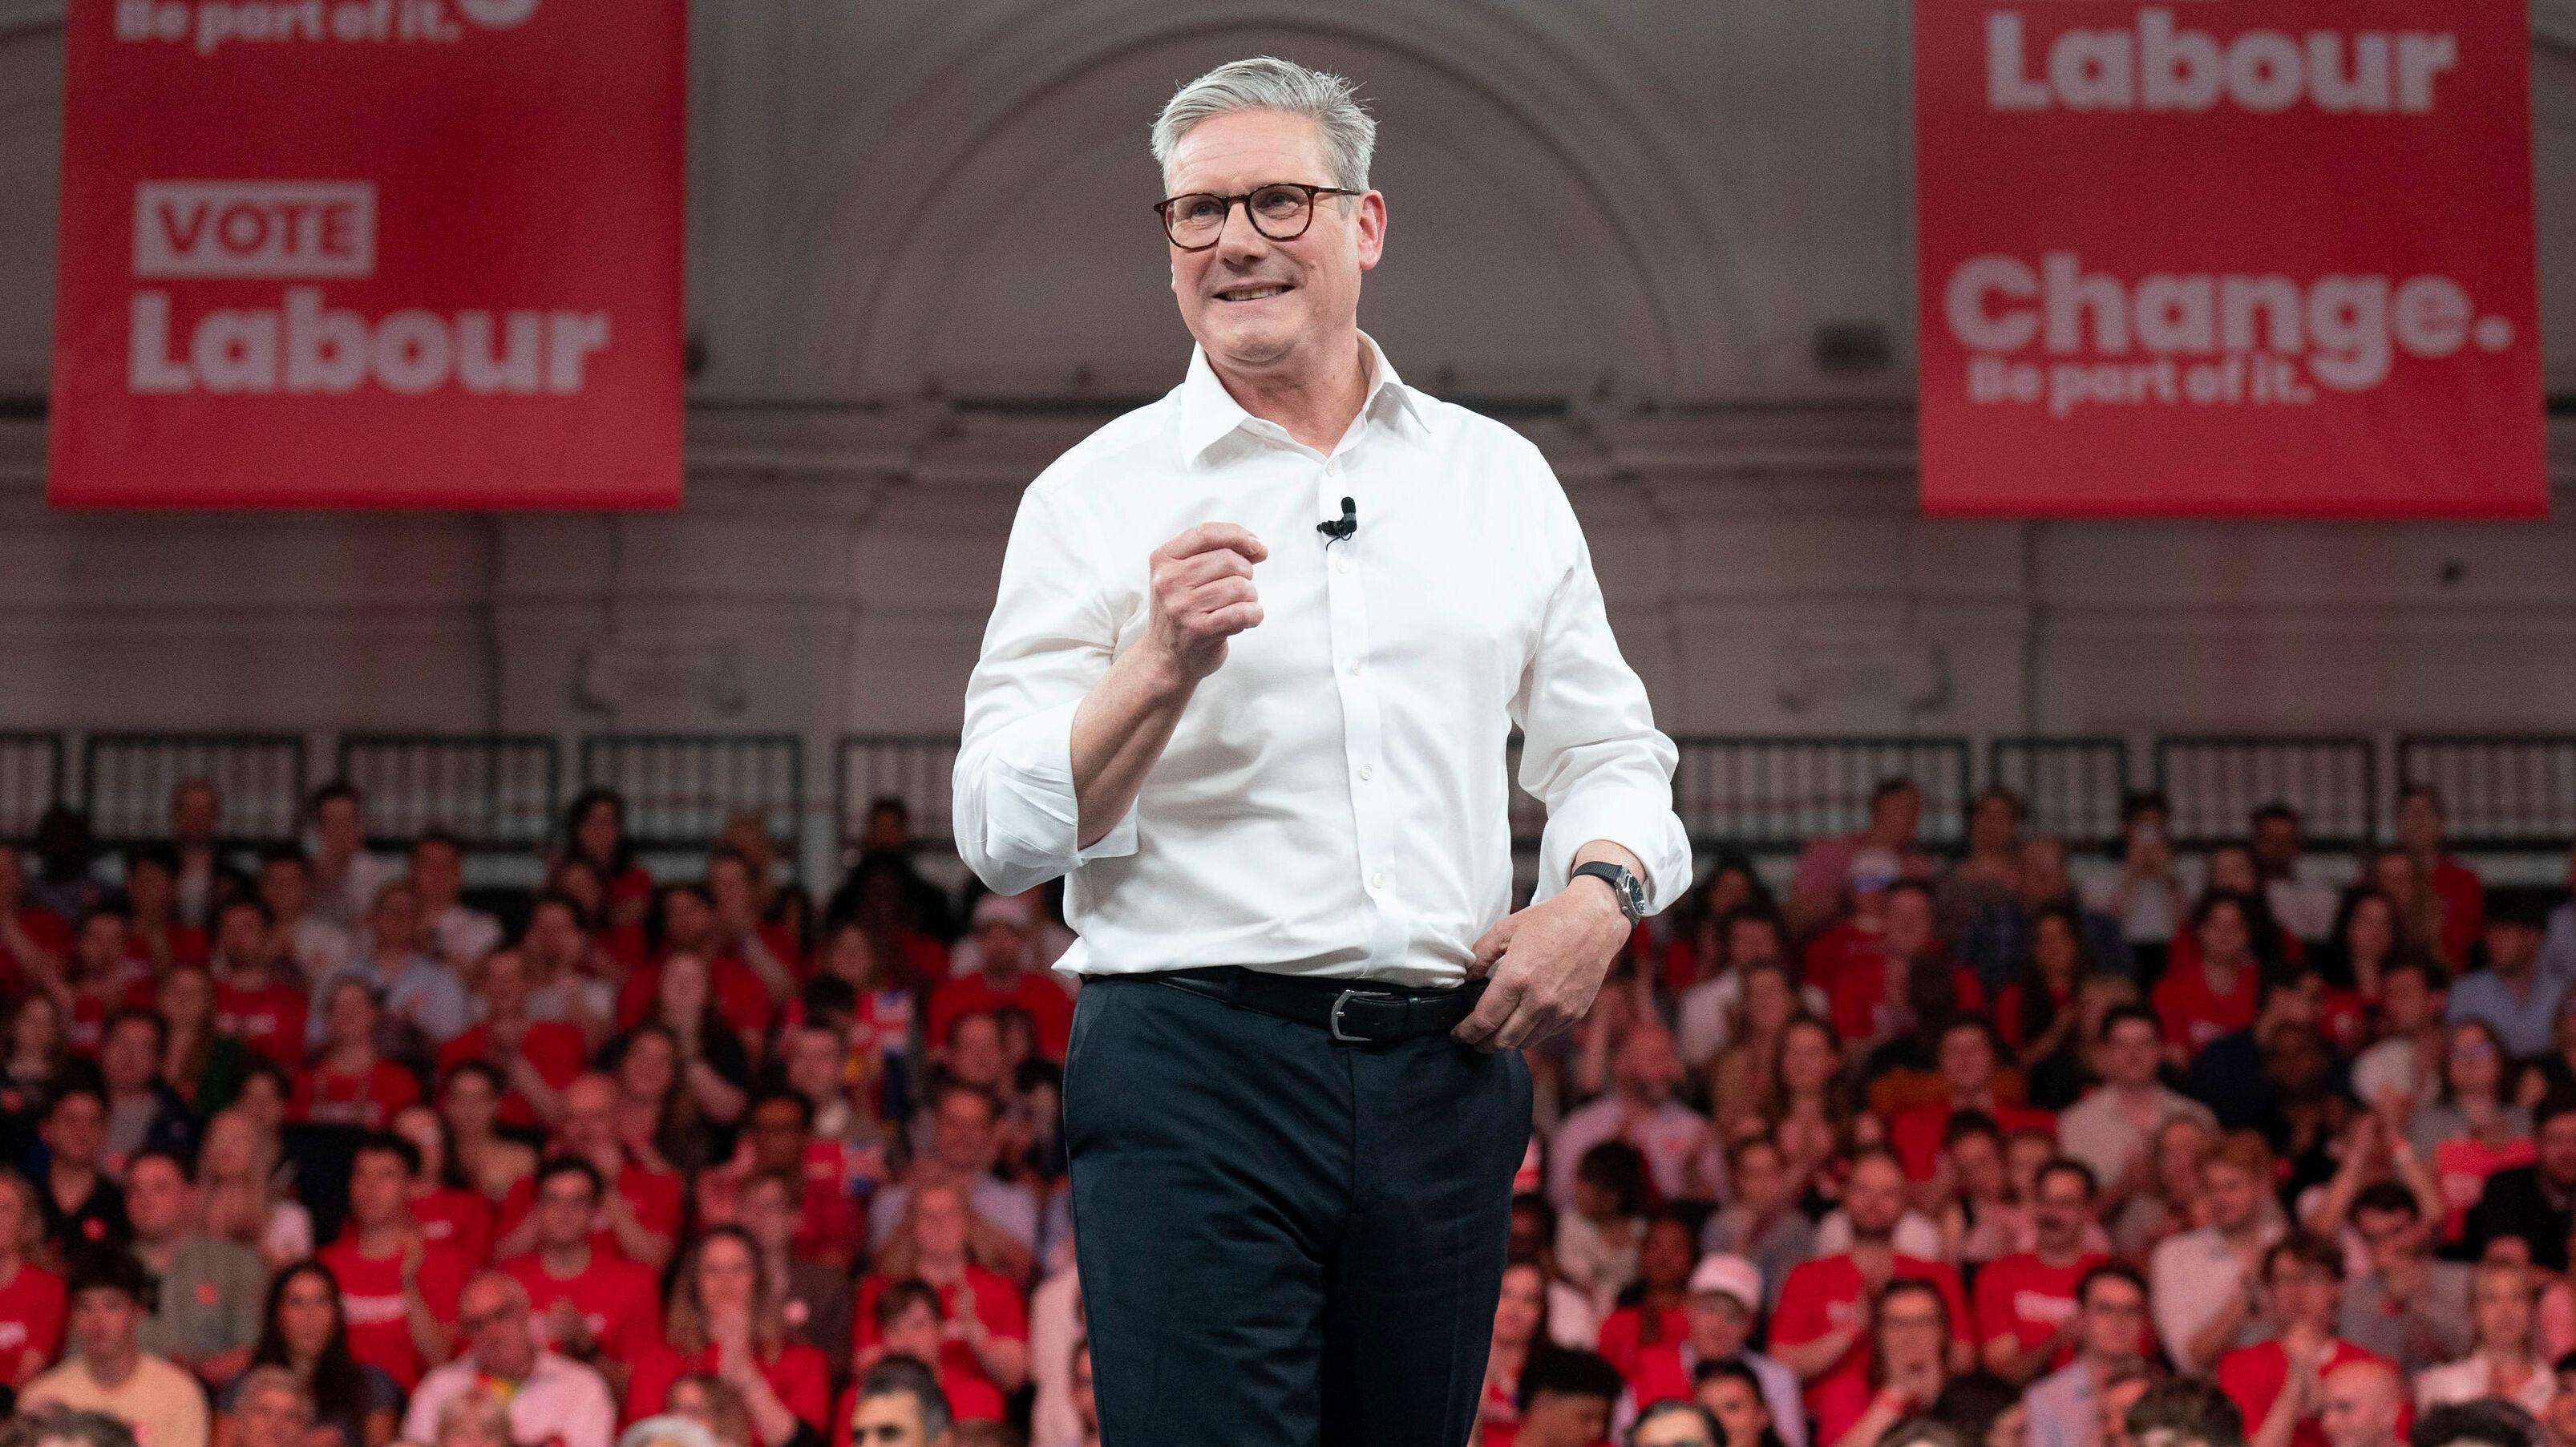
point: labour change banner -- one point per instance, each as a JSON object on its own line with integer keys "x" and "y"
{"x": 2252, "y": 257}
{"x": 370, "y": 253}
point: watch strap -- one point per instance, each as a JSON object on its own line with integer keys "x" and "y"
{"x": 1622, "y": 882}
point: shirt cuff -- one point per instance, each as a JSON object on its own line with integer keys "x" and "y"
{"x": 1644, "y": 825}
{"x": 1032, "y": 816}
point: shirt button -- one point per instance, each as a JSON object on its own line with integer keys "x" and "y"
{"x": 1378, "y": 880}
{"x": 1341, "y": 565}
{"x": 1366, "y": 773}
{"x": 1355, "y": 668}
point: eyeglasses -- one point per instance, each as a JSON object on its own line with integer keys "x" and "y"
{"x": 1281, "y": 211}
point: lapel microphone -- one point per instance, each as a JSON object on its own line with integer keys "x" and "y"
{"x": 1333, "y": 531}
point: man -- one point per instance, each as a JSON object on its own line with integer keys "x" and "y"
{"x": 2362, "y": 1404}
{"x": 2027, "y": 1319}
{"x": 1997, "y": 940}
{"x": 196, "y": 847}
{"x": 108, "y": 1370}
{"x": 2141, "y": 883}
{"x": 397, "y": 1289}
{"x": 1676, "y": 1424}
{"x": 2404, "y": 1070}
{"x": 2113, "y": 1130}
{"x": 2205, "y": 1281}
{"x": 81, "y": 1205}
{"x": 346, "y": 879}
{"x": 2110, "y": 1326}
{"x": 255, "y": 1002}
{"x": 898, "y": 1404}
{"x": 1724, "y": 1304}
{"x": 908, "y": 1325}
{"x": 1821, "y": 1330}
{"x": 537, "y": 1057}
{"x": 640, "y": 1213}
{"x": 316, "y": 947}
{"x": 1874, "y": 993}
{"x": 208, "y": 1291}
{"x": 778, "y": 1136}
{"x": 2533, "y": 1201}
{"x": 462, "y": 934}
{"x": 965, "y": 1145}
{"x": 1334, "y": 875}
{"x": 2511, "y": 995}
{"x": 2305, "y": 907}
{"x": 2235, "y": 1076}
{"x": 1824, "y": 866}
{"x": 601, "y": 1309}
{"x": 550, "y": 1397}
{"x": 987, "y": 1339}
{"x": 2419, "y": 833}
{"x": 1968, "y": 1056}
{"x": 2276, "y": 1383}
{"x": 271, "y": 1408}
{"x": 2409, "y": 1308}
{"x": 564, "y": 983}
{"x": 105, "y": 978}
{"x": 1004, "y": 931}
{"x": 1565, "y": 1399}
{"x": 1748, "y": 936}
{"x": 143, "y": 1112}
{"x": 421, "y": 994}
{"x": 1639, "y": 1108}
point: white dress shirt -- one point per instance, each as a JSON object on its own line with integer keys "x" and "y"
{"x": 561, "y": 1399}
{"x": 2473, "y": 1377}
{"x": 1333, "y": 800}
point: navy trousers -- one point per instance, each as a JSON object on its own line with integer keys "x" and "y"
{"x": 1284, "y": 1240}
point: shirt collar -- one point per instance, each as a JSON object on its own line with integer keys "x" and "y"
{"x": 1209, "y": 412}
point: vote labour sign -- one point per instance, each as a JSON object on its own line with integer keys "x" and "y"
{"x": 370, "y": 253}
{"x": 2250, "y": 257}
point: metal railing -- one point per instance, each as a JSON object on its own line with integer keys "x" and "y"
{"x": 127, "y": 780}
{"x": 2503, "y": 792}
{"x": 1768, "y": 794}
{"x": 2072, "y": 785}
{"x": 916, "y": 768}
{"x": 2215, "y": 782}
{"x": 681, "y": 790}
{"x": 497, "y": 793}
{"x": 33, "y": 769}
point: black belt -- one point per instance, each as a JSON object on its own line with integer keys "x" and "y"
{"x": 1362, "y": 1012}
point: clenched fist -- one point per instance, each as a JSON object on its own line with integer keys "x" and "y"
{"x": 1203, "y": 595}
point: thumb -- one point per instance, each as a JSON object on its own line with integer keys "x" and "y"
{"x": 1490, "y": 948}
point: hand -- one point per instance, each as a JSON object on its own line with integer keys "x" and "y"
{"x": 1545, "y": 964}
{"x": 415, "y": 1251}
{"x": 731, "y": 1331}
{"x": 568, "y": 1329}
{"x": 1203, "y": 595}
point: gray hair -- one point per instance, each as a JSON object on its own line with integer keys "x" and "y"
{"x": 897, "y": 1375}
{"x": 275, "y": 1379}
{"x": 1266, "y": 83}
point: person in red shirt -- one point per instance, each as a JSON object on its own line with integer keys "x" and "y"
{"x": 1909, "y": 1364}
{"x": 156, "y": 939}
{"x": 723, "y": 1317}
{"x": 2026, "y": 1316}
{"x": 31, "y": 1298}
{"x": 1880, "y": 994}
{"x": 397, "y": 1289}
{"x": 104, "y": 979}
{"x": 1005, "y": 977}
{"x": 2462, "y": 896}
{"x": 451, "y": 1213}
{"x": 597, "y": 1307}
{"x": 349, "y": 1083}
{"x": 689, "y": 928}
{"x": 1821, "y": 1330}
{"x": 2219, "y": 996}
{"x": 1520, "y": 1316}
{"x": 910, "y": 1330}
{"x": 986, "y": 1336}
{"x": 594, "y": 836}
{"x": 35, "y": 943}
{"x": 538, "y": 1057}
{"x": 2274, "y": 1383}
{"x": 778, "y": 1136}
{"x": 768, "y": 950}
{"x": 1664, "y": 1261}
{"x": 256, "y": 1002}
{"x": 640, "y": 1216}
{"x": 1968, "y": 1058}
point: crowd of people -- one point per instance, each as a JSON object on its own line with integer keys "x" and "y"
{"x": 315, "y": 1143}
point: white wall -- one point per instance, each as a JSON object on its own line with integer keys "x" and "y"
{"x": 1692, "y": 190}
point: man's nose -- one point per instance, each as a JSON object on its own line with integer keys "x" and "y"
{"x": 1240, "y": 238}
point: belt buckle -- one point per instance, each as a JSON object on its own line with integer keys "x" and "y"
{"x": 1344, "y": 998}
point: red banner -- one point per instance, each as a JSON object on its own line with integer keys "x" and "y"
{"x": 2249, "y": 257}
{"x": 370, "y": 253}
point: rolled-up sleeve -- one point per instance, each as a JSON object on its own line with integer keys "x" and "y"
{"x": 1589, "y": 747}
{"x": 1049, "y": 640}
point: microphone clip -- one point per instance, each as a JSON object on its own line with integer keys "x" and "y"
{"x": 1334, "y": 530}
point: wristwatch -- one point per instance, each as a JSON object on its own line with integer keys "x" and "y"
{"x": 1632, "y": 896}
